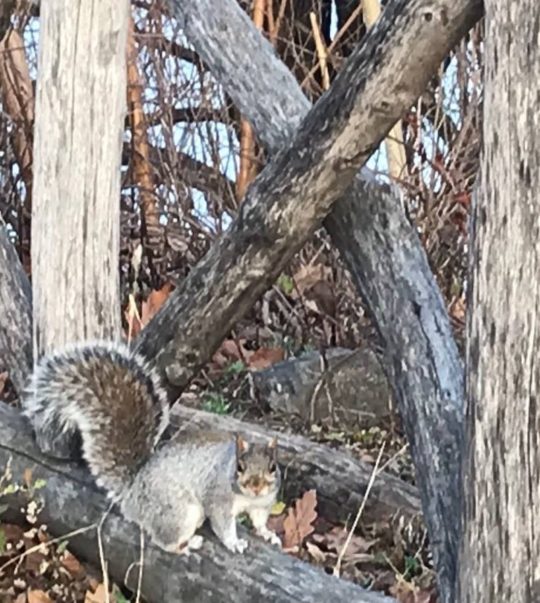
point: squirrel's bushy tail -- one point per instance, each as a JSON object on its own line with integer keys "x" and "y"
{"x": 107, "y": 394}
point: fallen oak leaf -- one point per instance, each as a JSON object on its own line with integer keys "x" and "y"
{"x": 299, "y": 521}
{"x": 231, "y": 350}
{"x": 307, "y": 276}
{"x": 153, "y": 303}
{"x": 265, "y": 357}
{"x": 403, "y": 591}
{"x": 72, "y": 564}
{"x": 38, "y": 596}
{"x": 98, "y": 596}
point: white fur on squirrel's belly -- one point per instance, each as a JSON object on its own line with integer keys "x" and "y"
{"x": 244, "y": 503}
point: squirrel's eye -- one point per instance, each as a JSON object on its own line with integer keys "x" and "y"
{"x": 240, "y": 466}
{"x": 272, "y": 467}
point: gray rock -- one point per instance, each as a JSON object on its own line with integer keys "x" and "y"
{"x": 340, "y": 386}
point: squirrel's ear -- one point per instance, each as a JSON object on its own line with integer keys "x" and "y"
{"x": 241, "y": 445}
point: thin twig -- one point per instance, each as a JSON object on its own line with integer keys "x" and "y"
{"x": 139, "y": 581}
{"x": 393, "y": 457}
{"x": 395, "y": 148}
{"x": 322, "y": 53}
{"x": 338, "y": 37}
{"x": 277, "y": 23}
{"x": 317, "y": 388}
{"x": 102, "y": 560}
{"x": 337, "y": 567}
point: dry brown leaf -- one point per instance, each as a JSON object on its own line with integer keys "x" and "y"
{"x": 27, "y": 477}
{"x": 98, "y": 596}
{"x": 307, "y": 276}
{"x": 335, "y": 538}
{"x": 33, "y": 561}
{"x": 322, "y": 297}
{"x": 318, "y": 555}
{"x": 275, "y": 523}
{"x": 299, "y": 521}
{"x": 265, "y": 357}
{"x": 12, "y": 532}
{"x": 231, "y": 350}
{"x": 154, "y": 302}
{"x": 458, "y": 309}
{"x": 72, "y": 564}
{"x": 403, "y": 591}
{"x": 407, "y": 592}
{"x": 38, "y": 596}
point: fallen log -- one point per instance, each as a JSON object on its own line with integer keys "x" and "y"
{"x": 71, "y": 502}
{"x": 339, "y": 479}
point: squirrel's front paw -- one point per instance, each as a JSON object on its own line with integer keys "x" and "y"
{"x": 237, "y": 546}
{"x": 195, "y": 542}
{"x": 270, "y": 536}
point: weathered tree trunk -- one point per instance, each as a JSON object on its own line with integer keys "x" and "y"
{"x": 211, "y": 575}
{"x": 289, "y": 200}
{"x": 366, "y": 225}
{"x": 15, "y": 313}
{"x": 501, "y": 545}
{"x": 80, "y": 112}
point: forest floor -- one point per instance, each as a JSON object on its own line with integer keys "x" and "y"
{"x": 381, "y": 555}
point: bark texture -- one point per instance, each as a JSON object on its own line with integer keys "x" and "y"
{"x": 212, "y": 575}
{"x": 15, "y": 314}
{"x": 289, "y": 200}
{"x": 380, "y": 247}
{"x": 80, "y": 112}
{"x": 501, "y": 545}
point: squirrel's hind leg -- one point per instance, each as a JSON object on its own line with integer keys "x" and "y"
{"x": 176, "y": 533}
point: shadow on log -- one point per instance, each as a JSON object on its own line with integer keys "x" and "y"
{"x": 71, "y": 502}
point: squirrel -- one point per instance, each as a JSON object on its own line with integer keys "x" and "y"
{"x": 112, "y": 401}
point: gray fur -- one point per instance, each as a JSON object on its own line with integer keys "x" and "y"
{"x": 111, "y": 400}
